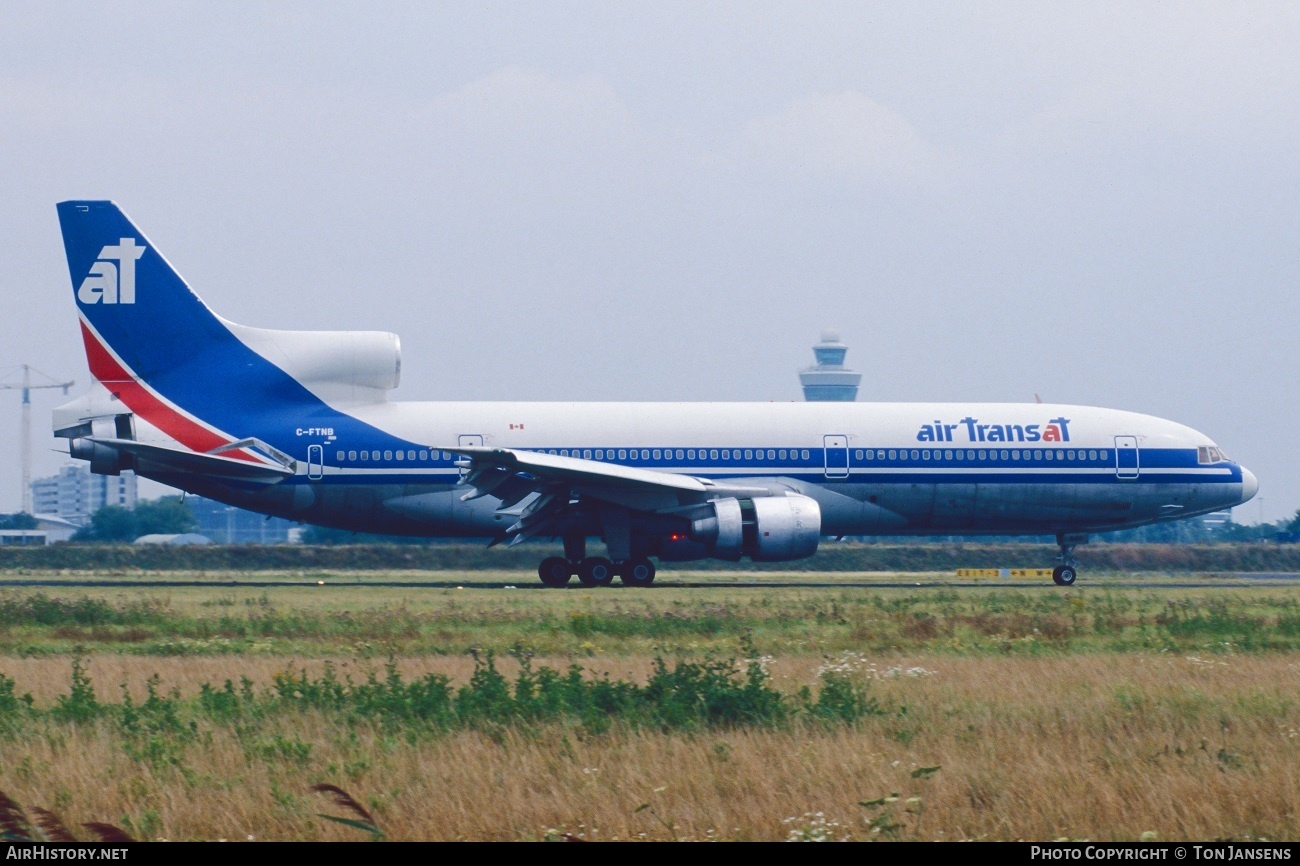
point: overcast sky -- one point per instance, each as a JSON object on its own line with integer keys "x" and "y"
{"x": 1097, "y": 203}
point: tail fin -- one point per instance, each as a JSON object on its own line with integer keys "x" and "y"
{"x": 133, "y": 304}
{"x": 198, "y": 378}
{"x": 153, "y": 343}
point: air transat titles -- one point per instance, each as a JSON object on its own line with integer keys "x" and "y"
{"x": 1055, "y": 430}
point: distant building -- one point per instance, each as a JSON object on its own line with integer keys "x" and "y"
{"x": 75, "y": 494}
{"x": 829, "y": 379}
{"x": 25, "y": 537}
{"x": 55, "y": 528}
{"x": 181, "y": 539}
{"x": 225, "y": 524}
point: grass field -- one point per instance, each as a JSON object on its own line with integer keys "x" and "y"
{"x": 727, "y": 712}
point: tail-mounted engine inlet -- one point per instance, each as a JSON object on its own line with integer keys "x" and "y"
{"x": 104, "y": 459}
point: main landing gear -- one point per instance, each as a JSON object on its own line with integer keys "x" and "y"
{"x": 593, "y": 571}
{"x": 1065, "y": 573}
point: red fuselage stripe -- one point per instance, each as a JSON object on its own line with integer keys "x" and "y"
{"x": 105, "y": 368}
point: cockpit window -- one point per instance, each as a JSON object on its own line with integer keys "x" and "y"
{"x": 1210, "y": 454}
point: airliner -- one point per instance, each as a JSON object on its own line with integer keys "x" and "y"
{"x": 298, "y": 424}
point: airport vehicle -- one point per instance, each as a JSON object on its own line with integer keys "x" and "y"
{"x": 298, "y": 424}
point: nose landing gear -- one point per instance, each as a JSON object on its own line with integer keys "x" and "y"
{"x": 1065, "y": 573}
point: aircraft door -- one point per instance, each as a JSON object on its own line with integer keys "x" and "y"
{"x": 315, "y": 461}
{"x": 1126, "y": 457}
{"x": 469, "y": 440}
{"x": 837, "y": 456}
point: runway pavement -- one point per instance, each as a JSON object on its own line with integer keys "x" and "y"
{"x": 528, "y": 581}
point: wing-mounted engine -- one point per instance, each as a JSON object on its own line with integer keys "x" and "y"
{"x": 765, "y": 528}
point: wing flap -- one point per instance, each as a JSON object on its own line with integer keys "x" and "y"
{"x": 511, "y": 475}
{"x": 575, "y": 469}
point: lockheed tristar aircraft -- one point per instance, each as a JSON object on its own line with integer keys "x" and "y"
{"x": 298, "y": 424}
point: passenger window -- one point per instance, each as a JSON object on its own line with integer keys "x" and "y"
{"x": 656, "y": 454}
{"x": 690, "y": 453}
{"x": 1105, "y": 455}
{"x": 984, "y": 455}
{"x": 1092, "y": 455}
{"x": 401, "y": 455}
{"x": 681, "y": 455}
{"x": 352, "y": 455}
{"x": 586, "y": 453}
{"x": 916, "y": 455}
{"x": 342, "y": 456}
{"x": 1069, "y": 455}
{"x": 893, "y": 455}
{"x": 622, "y": 454}
{"x": 365, "y": 455}
{"x": 374, "y": 454}
{"x": 749, "y": 454}
{"x": 713, "y": 454}
{"x": 947, "y": 455}
{"x": 925, "y": 455}
{"x": 726, "y": 455}
{"x": 960, "y": 455}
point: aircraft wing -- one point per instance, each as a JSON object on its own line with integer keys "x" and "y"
{"x": 194, "y": 462}
{"x": 513, "y": 475}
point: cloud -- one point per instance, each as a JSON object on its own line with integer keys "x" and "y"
{"x": 521, "y": 109}
{"x": 843, "y": 135}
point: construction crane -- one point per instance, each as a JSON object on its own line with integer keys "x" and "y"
{"x": 27, "y": 387}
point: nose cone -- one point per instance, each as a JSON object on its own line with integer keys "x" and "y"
{"x": 1249, "y": 485}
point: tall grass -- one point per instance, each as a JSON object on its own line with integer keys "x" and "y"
{"x": 1098, "y": 747}
{"x": 709, "y": 694}
{"x": 680, "y": 623}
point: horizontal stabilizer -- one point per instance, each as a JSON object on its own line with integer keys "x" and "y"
{"x": 195, "y": 463}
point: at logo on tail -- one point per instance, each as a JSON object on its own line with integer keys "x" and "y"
{"x": 112, "y": 283}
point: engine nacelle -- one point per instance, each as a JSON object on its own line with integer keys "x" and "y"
{"x": 766, "y": 529}
{"x": 103, "y": 459}
{"x": 345, "y": 365}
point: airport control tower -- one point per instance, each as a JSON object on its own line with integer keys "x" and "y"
{"x": 829, "y": 379}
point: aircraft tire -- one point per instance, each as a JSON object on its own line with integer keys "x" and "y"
{"x": 595, "y": 571}
{"x": 637, "y": 572}
{"x": 555, "y": 571}
{"x": 1064, "y": 575}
